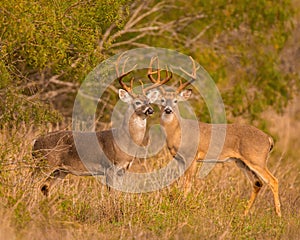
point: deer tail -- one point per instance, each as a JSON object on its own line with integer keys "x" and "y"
{"x": 271, "y": 141}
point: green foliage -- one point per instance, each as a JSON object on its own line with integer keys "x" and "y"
{"x": 5, "y": 77}
{"x": 43, "y": 38}
{"x": 16, "y": 109}
{"x": 242, "y": 53}
{"x": 57, "y": 34}
{"x": 237, "y": 42}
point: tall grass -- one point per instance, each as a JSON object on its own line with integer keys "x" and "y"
{"x": 82, "y": 208}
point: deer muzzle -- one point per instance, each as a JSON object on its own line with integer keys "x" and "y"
{"x": 149, "y": 111}
{"x": 168, "y": 110}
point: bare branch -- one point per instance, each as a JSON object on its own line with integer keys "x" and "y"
{"x": 57, "y": 92}
{"x": 54, "y": 79}
{"x": 113, "y": 88}
{"x": 132, "y": 22}
{"x": 106, "y": 35}
{"x": 141, "y": 45}
{"x": 146, "y": 20}
{"x": 135, "y": 13}
{"x": 128, "y": 42}
{"x": 137, "y": 30}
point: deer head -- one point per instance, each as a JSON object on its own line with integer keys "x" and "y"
{"x": 139, "y": 103}
{"x": 169, "y": 98}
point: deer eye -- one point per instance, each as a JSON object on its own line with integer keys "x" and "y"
{"x": 175, "y": 101}
{"x": 138, "y": 103}
{"x": 162, "y": 100}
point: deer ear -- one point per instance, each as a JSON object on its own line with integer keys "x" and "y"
{"x": 185, "y": 94}
{"x": 152, "y": 96}
{"x": 124, "y": 96}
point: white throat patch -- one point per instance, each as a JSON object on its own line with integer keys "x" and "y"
{"x": 140, "y": 122}
{"x": 167, "y": 117}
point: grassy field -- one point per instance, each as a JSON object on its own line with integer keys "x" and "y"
{"x": 82, "y": 208}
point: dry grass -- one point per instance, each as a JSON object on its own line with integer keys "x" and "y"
{"x": 82, "y": 208}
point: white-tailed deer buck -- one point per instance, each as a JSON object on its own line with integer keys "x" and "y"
{"x": 58, "y": 149}
{"x": 246, "y": 145}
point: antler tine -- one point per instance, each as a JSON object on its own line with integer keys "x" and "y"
{"x": 142, "y": 84}
{"x": 156, "y": 82}
{"x": 158, "y": 70}
{"x": 131, "y": 82}
{"x": 124, "y": 74}
{"x": 192, "y": 75}
{"x": 150, "y": 72}
{"x": 168, "y": 77}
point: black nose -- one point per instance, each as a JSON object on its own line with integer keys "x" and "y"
{"x": 149, "y": 111}
{"x": 168, "y": 110}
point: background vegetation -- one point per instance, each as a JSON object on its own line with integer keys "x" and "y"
{"x": 251, "y": 50}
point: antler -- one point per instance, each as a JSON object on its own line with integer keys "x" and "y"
{"x": 156, "y": 82}
{"x": 124, "y": 74}
{"x": 192, "y": 75}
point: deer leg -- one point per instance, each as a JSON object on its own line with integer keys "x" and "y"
{"x": 181, "y": 163}
{"x": 274, "y": 188}
{"x": 273, "y": 183}
{"x": 113, "y": 176}
{"x": 189, "y": 177}
{"x": 59, "y": 173}
{"x": 256, "y": 184}
{"x": 267, "y": 177}
{"x": 256, "y": 187}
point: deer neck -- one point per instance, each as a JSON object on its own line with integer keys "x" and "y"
{"x": 137, "y": 128}
{"x": 133, "y": 127}
{"x": 171, "y": 124}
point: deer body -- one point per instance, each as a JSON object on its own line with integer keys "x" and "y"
{"x": 59, "y": 148}
{"x": 113, "y": 151}
{"x": 248, "y": 146}
{"x": 241, "y": 141}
